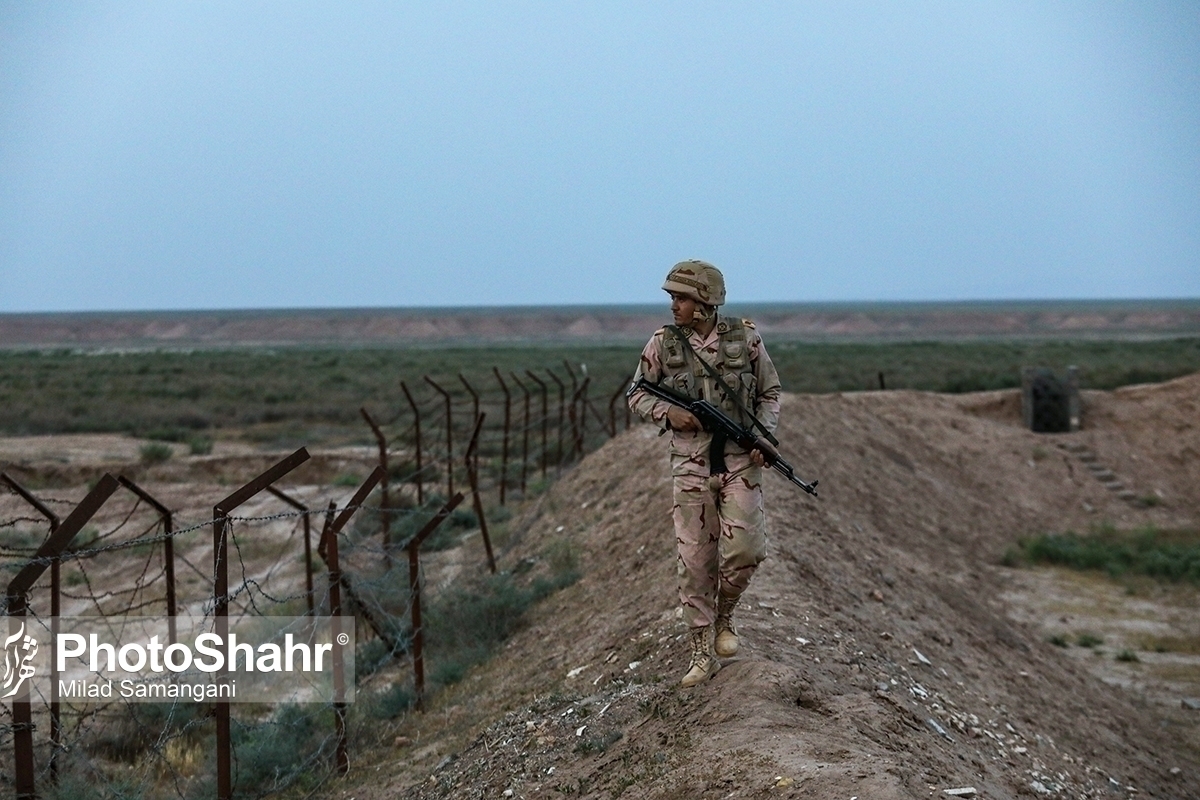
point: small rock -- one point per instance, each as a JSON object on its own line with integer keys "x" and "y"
{"x": 401, "y": 741}
{"x": 885, "y": 635}
{"x": 877, "y": 596}
{"x": 938, "y": 729}
{"x": 508, "y": 793}
{"x": 883, "y": 686}
{"x": 575, "y": 672}
{"x": 921, "y": 657}
{"x": 802, "y": 640}
{"x": 783, "y": 783}
{"x": 963, "y": 791}
{"x": 1040, "y": 787}
{"x": 1176, "y": 772}
{"x": 634, "y": 664}
{"x": 579, "y": 731}
{"x": 1191, "y": 704}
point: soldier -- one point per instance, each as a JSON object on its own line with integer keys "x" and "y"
{"x": 719, "y": 524}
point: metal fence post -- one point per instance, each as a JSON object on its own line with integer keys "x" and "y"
{"x": 329, "y": 548}
{"x": 580, "y": 400}
{"x": 475, "y": 410}
{"x": 504, "y": 445}
{"x": 449, "y": 436}
{"x": 414, "y": 588}
{"x": 221, "y": 513}
{"x": 574, "y": 417}
{"x": 308, "y": 564}
{"x": 524, "y": 432}
{"x": 612, "y": 412}
{"x": 18, "y": 603}
{"x": 562, "y": 401}
{"x": 417, "y": 436}
{"x": 477, "y": 501}
{"x": 385, "y": 512}
{"x": 168, "y": 548}
{"x": 545, "y": 417}
{"x": 55, "y": 595}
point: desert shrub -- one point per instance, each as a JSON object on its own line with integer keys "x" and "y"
{"x": 1127, "y": 655}
{"x": 467, "y": 623}
{"x": 408, "y": 523}
{"x": 375, "y": 654}
{"x": 1088, "y": 640}
{"x": 279, "y": 751}
{"x": 199, "y": 445}
{"x": 73, "y": 785}
{"x": 391, "y": 702}
{"x": 155, "y": 453}
{"x": 1172, "y": 556}
{"x": 462, "y": 517}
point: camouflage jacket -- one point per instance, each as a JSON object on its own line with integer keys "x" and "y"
{"x": 735, "y": 349}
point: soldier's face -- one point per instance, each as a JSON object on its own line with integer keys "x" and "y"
{"x": 683, "y": 309}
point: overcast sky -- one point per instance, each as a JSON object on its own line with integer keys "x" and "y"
{"x": 169, "y": 155}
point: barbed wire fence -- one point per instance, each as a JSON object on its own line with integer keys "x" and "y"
{"x": 123, "y": 551}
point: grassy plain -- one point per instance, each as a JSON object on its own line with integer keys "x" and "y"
{"x": 315, "y": 394}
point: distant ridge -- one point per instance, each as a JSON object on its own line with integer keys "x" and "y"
{"x": 1122, "y": 319}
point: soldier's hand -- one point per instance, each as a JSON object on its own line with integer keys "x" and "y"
{"x": 683, "y": 420}
{"x": 757, "y": 458}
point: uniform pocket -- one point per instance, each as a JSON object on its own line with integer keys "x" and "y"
{"x": 735, "y": 355}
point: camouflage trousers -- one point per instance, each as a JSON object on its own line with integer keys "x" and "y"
{"x": 721, "y": 535}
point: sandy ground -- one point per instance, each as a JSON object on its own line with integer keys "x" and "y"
{"x": 885, "y": 651}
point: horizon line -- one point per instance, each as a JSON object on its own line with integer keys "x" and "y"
{"x": 760, "y": 304}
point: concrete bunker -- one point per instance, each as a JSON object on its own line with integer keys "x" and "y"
{"x": 1049, "y": 403}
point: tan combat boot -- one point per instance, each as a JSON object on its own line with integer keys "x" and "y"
{"x": 704, "y": 663}
{"x": 727, "y": 638}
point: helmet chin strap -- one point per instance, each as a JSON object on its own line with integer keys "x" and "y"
{"x": 703, "y": 312}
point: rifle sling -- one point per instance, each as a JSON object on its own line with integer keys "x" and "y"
{"x": 716, "y": 376}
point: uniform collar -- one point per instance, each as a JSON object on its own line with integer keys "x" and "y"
{"x": 721, "y": 327}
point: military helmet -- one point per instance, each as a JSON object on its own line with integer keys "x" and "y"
{"x": 698, "y": 280}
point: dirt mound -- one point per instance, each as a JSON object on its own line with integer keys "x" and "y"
{"x": 877, "y": 658}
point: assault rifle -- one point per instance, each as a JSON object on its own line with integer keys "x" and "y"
{"x": 723, "y": 429}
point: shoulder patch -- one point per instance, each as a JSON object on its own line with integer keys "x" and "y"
{"x": 749, "y": 323}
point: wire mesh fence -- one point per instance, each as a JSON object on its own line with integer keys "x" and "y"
{"x": 278, "y": 547}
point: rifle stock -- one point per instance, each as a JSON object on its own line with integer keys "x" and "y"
{"x": 723, "y": 428}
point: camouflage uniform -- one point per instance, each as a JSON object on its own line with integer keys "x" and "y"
{"x": 719, "y": 524}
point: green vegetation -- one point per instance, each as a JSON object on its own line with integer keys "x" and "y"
{"x": 199, "y": 445}
{"x": 155, "y": 453}
{"x": 1166, "y": 555}
{"x": 1127, "y": 655}
{"x": 1088, "y": 640}
{"x": 468, "y": 622}
{"x": 280, "y": 395}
